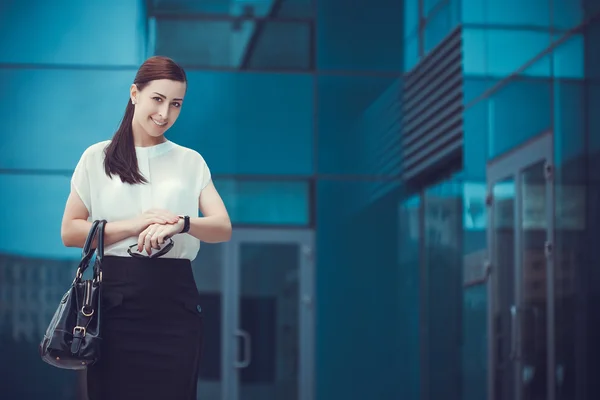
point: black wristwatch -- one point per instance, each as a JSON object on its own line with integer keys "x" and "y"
{"x": 186, "y": 223}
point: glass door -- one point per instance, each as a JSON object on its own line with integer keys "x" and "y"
{"x": 269, "y": 328}
{"x": 209, "y": 273}
{"x": 520, "y": 234}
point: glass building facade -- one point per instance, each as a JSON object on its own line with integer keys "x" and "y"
{"x": 506, "y": 237}
{"x": 476, "y": 282}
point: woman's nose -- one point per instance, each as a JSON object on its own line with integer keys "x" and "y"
{"x": 164, "y": 112}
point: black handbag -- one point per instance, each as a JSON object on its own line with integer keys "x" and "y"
{"x": 73, "y": 338}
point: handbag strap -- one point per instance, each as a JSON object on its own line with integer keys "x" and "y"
{"x": 86, "y": 251}
{"x": 99, "y": 251}
{"x": 96, "y": 230}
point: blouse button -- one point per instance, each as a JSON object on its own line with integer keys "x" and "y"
{"x": 199, "y": 309}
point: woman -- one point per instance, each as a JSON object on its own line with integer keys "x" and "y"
{"x": 149, "y": 189}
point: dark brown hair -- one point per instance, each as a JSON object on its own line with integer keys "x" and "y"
{"x": 120, "y": 157}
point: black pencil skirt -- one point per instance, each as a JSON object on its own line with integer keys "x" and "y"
{"x": 152, "y": 331}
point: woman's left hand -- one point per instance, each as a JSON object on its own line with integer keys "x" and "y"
{"x": 155, "y": 235}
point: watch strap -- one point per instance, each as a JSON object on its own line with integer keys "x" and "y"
{"x": 186, "y": 223}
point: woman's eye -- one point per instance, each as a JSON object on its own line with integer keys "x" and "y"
{"x": 157, "y": 98}
{"x": 176, "y": 104}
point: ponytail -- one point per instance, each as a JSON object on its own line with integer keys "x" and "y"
{"x": 121, "y": 159}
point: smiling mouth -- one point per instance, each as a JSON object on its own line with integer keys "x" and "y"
{"x": 158, "y": 123}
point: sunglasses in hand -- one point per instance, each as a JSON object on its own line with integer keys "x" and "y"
{"x": 164, "y": 250}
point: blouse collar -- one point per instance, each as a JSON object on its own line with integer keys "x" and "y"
{"x": 156, "y": 150}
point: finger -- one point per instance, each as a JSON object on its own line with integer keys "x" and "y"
{"x": 147, "y": 243}
{"x": 141, "y": 239}
{"x": 162, "y": 236}
{"x": 154, "y": 240}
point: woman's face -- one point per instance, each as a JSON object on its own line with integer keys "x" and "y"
{"x": 158, "y": 105}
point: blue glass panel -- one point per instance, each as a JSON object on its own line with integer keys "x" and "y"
{"x": 249, "y": 123}
{"x": 106, "y": 33}
{"x": 241, "y": 123}
{"x": 473, "y": 11}
{"x": 569, "y": 108}
{"x": 474, "y": 350}
{"x": 409, "y": 258}
{"x": 476, "y": 125}
{"x": 262, "y": 8}
{"x": 360, "y": 35}
{"x": 500, "y": 53}
{"x": 411, "y": 52}
{"x": 429, "y": 5}
{"x": 474, "y": 42}
{"x": 411, "y": 17}
{"x": 37, "y": 233}
{"x": 439, "y": 26}
{"x": 234, "y": 44}
{"x": 533, "y": 13}
{"x": 444, "y": 262}
{"x": 345, "y": 146}
{"x": 566, "y": 14}
{"x": 343, "y": 247}
{"x": 265, "y": 202}
{"x": 71, "y": 109}
{"x": 569, "y": 58}
{"x": 519, "y": 111}
{"x": 30, "y": 291}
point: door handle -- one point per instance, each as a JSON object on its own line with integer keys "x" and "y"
{"x": 247, "y": 349}
{"x": 514, "y": 317}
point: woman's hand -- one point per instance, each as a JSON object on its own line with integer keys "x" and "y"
{"x": 150, "y": 217}
{"x": 155, "y": 235}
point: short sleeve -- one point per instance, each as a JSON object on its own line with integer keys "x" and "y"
{"x": 80, "y": 182}
{"x": 204, "y": 174}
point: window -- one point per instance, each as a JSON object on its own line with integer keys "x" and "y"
{"x": 530, "y": 13}
{"x": 77, "y": 125}
{"x": 346, "y": 141}
{"x": 411, "y": 17}
{"x": 411, "y": 51}
{"x": 499, "y": 53}
{"x": 249, "y": 123}
{"x": 355, "y": 35}
{"x": 266, "y": 202}
{"x": 438, "y": 27}
{"x": 226, "y": 43}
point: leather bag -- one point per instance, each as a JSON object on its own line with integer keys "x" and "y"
{"x": 73, "y": 338}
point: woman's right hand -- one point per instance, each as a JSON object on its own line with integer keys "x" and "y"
{"x": 154, "y": 216}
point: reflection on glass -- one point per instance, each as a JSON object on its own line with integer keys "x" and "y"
{"x": 266, "y": 202}
{"x": 503, "y": 250}
{"x": 521, "y": 109}
{"x": 499, "y": 53}
{"x": 234, "y": 43}
{"x": 442, "y": 307}
{"x": 269, "y": 321}
{"x": 532, "y": 13}
{"x": 208, "y": 269}
{"x": 438, "y": 26}
{"x": 257, "y": 8}
{"x": 30, "y": 291}
{"x": 409, "y": 282}
{"x": 531, "y": 312}
{"x": 352, "y": 109}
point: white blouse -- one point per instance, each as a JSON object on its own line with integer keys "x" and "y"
{"x": 176, "y": 175}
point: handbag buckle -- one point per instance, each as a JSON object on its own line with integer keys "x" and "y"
{"x": 79, "y": 329}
